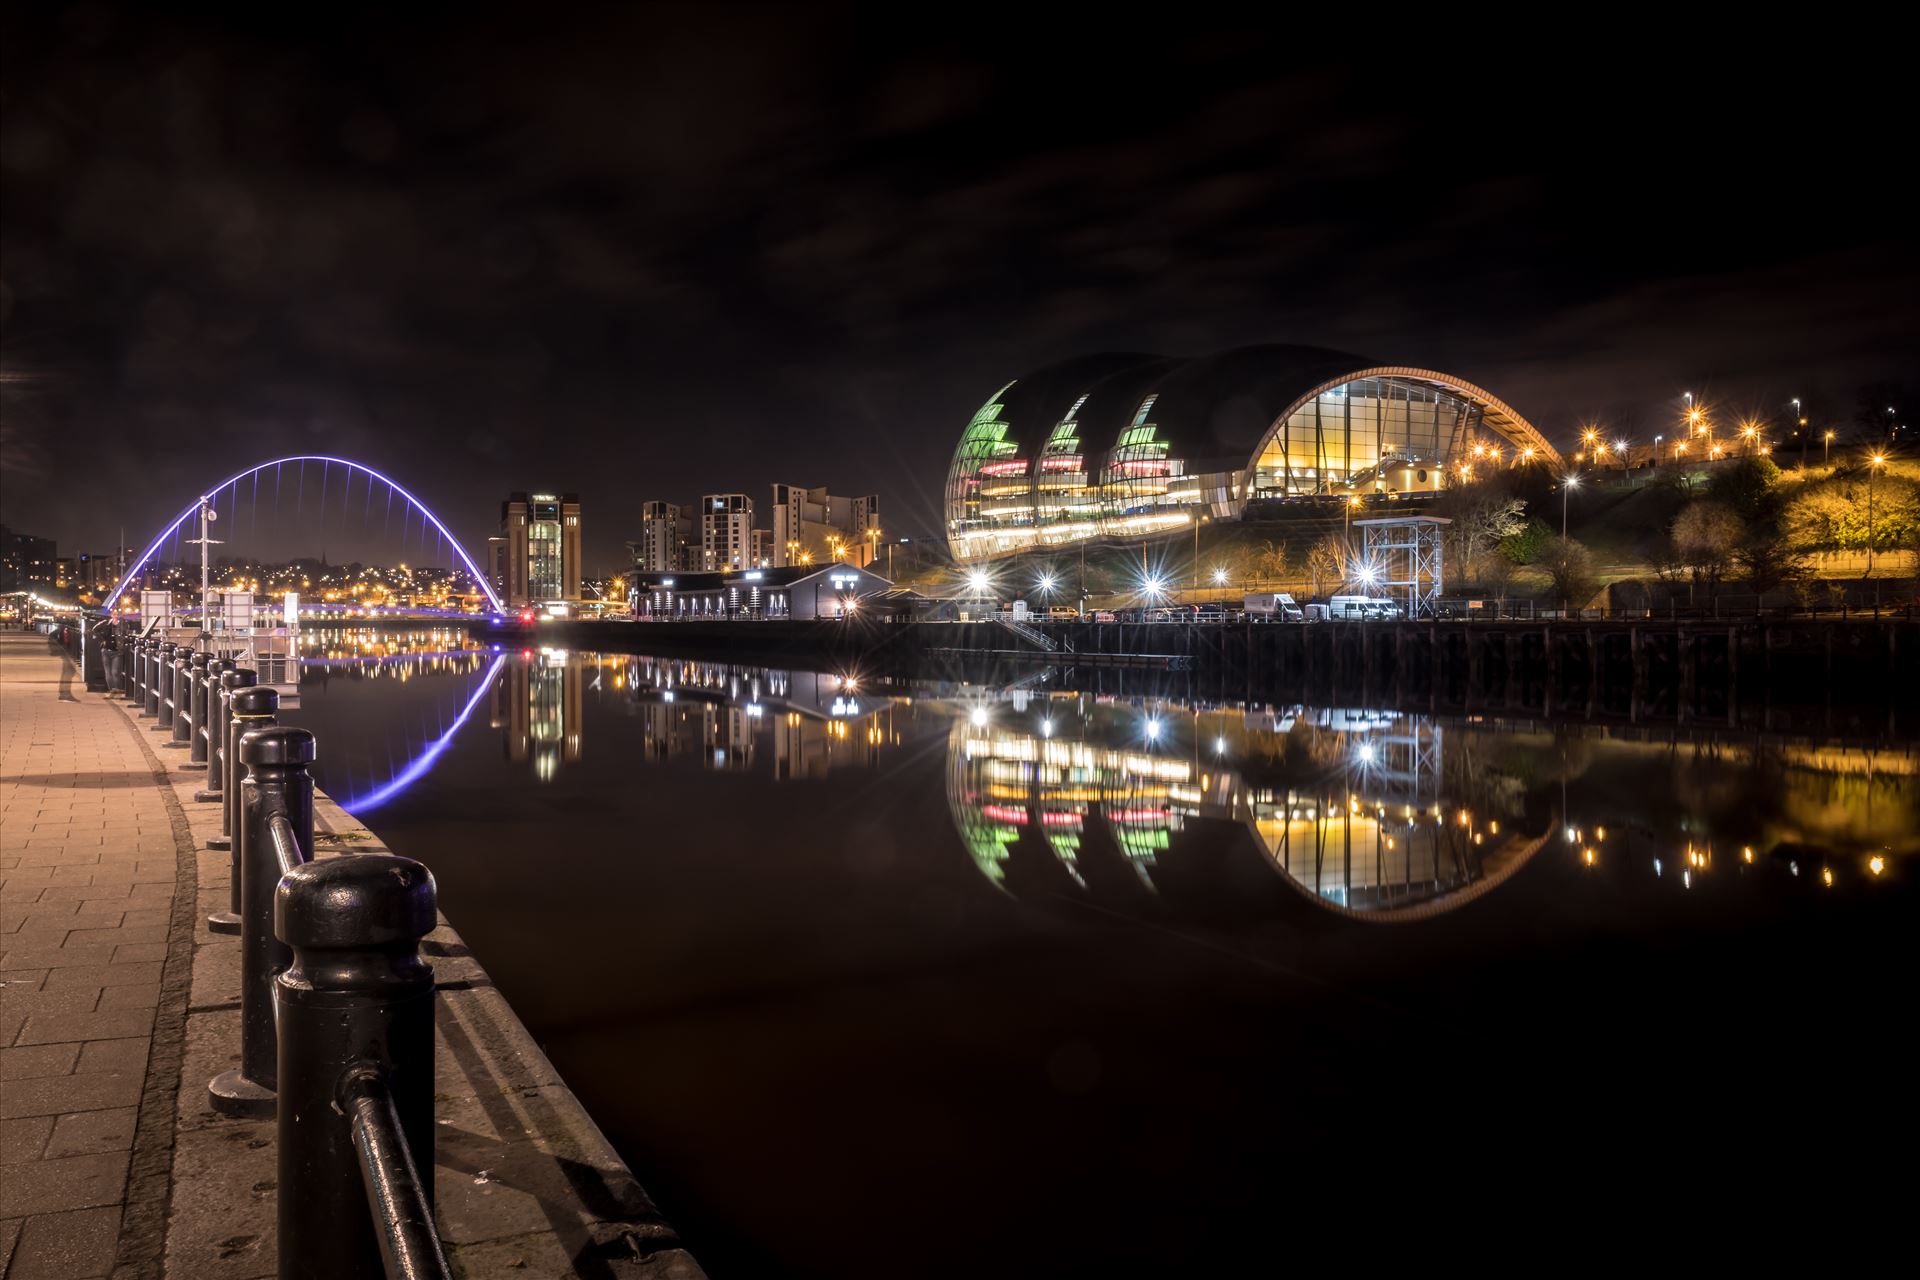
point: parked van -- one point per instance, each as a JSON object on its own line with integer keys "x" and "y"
{"x": 1063, "y": 613}
{"x": 1358, "y": 608}
{"x": 1272, "y": 606}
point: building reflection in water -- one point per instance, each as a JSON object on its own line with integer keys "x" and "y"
{"x": 537, "y": 707}
{"x": 792, "y": 724}
{"x": 1366, "y": 813}
{"x": 806, "y": 723}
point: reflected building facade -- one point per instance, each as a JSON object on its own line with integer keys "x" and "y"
{"x": 536, "y": 705}
{"x": 1359, "y": 811}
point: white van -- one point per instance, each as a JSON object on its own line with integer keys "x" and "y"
{"x": 1358, "y": 608}
{"x": 1271, "y": 606}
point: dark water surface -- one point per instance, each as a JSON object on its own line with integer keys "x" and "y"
{"x": 960, "y": 980}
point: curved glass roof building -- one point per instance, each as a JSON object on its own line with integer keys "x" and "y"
{"x": 1122, "y": 445}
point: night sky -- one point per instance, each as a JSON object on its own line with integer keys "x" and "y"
{"x": 644, "y": 253}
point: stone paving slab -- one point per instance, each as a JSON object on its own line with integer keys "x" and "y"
{"x": 119, "y": 1005}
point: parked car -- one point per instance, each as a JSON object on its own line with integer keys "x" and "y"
{"x": 1063, "y": 613}
{"x": 1103, "y": 615}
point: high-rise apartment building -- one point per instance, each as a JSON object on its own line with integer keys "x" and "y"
{"x": 726, "y": 531}
{"x": 666, "y": 534}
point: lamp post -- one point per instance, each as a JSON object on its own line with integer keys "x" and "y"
{"x": 1656, "y": 451}
{"x": 1874, "y": 464}
{"x": 1826, "y": 450}
{"x": 1566, "y": 487}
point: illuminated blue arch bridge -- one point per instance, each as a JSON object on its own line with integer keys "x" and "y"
{"x": 416, "y": 518}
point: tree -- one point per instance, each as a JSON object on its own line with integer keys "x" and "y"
{"x": 1570, "y": 569}
{"x": 1745, "y": 487}
{"x": 1769, "y": 560}
{"x": 1326, "y": 562}
{"x": 1482, "y": 516}
{"x": 1494, "y": 571}
{"x": 1704, "y": 540}
{"x": 1525, "y": 544}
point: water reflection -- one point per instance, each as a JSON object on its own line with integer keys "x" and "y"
{"x": 1367, "y": 813}
{"x": 1374, "y": 815}
{"x": 805, "y": 724}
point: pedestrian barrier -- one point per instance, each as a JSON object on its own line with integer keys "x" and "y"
{"x": 356, "y": 1070}
{"x": 337, "y": 1002}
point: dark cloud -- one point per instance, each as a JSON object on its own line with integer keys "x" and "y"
{"x": 654, "y": 252}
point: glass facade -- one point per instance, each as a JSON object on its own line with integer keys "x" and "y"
{"x": 544, "y": 580}
{"x": 1151, "y": 461}
{"x": 1368, "y": 434}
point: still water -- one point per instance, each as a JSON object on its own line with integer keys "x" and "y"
{"x": 950, "y": 979}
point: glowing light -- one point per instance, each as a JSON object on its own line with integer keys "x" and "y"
{"x": 977, "y": 580}
{"x": 1826, "y": 876}
{"x": 1746, "y": 854}
{"x": 979, "y": 717}
{"x": 1153, "y": 728}
{"x": 424, "y": 761}
{"x": 1876, "y": 864}
{"x": 1046, "y": 582}
{"x": 1365, "y": 753}
{"x": 193, "y": 508}
{"x": 1219, "y": 577}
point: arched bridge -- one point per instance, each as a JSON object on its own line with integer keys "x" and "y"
{"x": 233, "y": 481}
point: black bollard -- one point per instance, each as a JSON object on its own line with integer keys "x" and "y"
{"x": 247, "y": 708}
{"x": 212, "y": 736}
{"x": 195, "y": 707}
{"x": 182, "y": 691}
{"x": 356, "y": 1070}
{"x": 169, "y": 652}
{"x": 150, "y": 682}
{"x": 276, "y": 835}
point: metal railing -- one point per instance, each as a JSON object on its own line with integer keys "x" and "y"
{"x": 1027, "y": 633}
{"x": 336, "y": 1001}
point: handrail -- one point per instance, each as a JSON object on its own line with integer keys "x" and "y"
{"x": 402, "y": 1211}
{"x": 287, "y": 853}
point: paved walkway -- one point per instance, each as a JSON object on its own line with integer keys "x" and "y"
{"x": 89, "y": 851}
{"x": 117, "y": 1006}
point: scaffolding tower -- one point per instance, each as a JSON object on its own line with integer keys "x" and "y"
{"x": 1403, "y": 553}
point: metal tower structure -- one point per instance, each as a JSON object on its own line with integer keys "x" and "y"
{"x": 1403, "y": 553}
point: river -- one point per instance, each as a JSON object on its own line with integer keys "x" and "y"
{"x": 915, "y": 979}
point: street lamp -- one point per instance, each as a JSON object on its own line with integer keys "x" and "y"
{"x": 1220, "y": 577}
{"x": 1621, "y": 445}
{"x": 1874, "y": 464}
{"x": 1656, "y": 451}
{"x": 1826, "y": 450}
{"x": 1354, "y": 501}
{"x": 1567, "y": 486}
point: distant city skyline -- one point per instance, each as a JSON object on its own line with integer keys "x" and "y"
{"x": 652, "y": 252}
